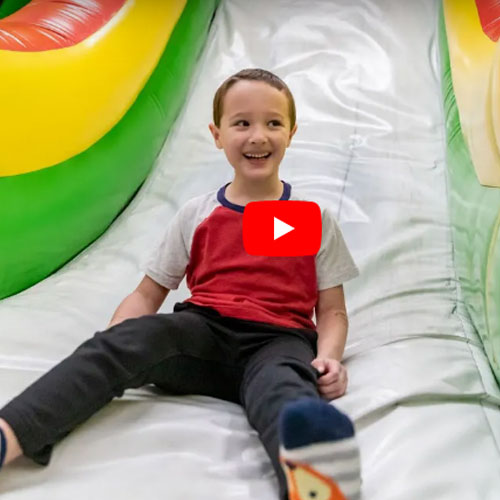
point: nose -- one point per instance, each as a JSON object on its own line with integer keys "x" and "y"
{"x": 257, "y": 135}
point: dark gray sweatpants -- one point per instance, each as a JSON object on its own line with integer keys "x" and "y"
{"x": 193, "y": 350}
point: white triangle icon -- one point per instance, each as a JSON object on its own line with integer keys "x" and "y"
{"x": 281, "y": 228}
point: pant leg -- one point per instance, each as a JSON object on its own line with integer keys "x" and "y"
{"x": 278, "y": 373}
{"x": 152, "y": 349}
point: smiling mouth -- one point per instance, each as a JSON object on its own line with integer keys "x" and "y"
{"x": 257, "y": 156}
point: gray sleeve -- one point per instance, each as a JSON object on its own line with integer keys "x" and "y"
{"x": 167, "y": 265}
{"x": 334, "y": 263}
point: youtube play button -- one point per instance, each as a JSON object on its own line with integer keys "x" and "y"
{"x": 282, "y": 228}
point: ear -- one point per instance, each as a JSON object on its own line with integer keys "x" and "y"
{"x": 216, "y": 134}
{"x": 292, "y": 133}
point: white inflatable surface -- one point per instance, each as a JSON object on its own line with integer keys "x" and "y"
{"x": 370, "y": 143}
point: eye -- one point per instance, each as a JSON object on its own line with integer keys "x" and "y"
{"x": 276, "y": 123}
{"x": 242, "y": 123}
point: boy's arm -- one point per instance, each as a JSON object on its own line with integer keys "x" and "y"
{"x": 331, "y": 323}
{"x": 145, "y": 299}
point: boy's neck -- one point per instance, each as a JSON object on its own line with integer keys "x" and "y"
{"x": 241, "y": 193}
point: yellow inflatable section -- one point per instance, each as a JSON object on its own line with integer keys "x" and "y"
{"x": 63, "y": 101}
{"x": 475, "y": 63}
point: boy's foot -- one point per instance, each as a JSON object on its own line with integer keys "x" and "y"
{"x": 318, "y": 452}
{"x": 3, "y": 447}
{"x": 9, "y": 445}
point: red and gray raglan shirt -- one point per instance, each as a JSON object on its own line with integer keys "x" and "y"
{"x": 204, "y": 242}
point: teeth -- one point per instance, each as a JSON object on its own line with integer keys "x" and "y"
{"x": 257, "y": 156}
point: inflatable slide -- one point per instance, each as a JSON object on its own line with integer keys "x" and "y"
{"x": 105, "y": 107}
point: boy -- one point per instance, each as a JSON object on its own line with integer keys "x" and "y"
{"x": 245, "y": 335}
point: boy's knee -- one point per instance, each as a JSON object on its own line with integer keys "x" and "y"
{"x": 283, "y": 370}
{"x": 267, "y": 385}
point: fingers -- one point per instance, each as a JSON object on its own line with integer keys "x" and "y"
{"x": 330, "y": 377}
{"x": 333, "y": 391}
{"x": 335, "y": 388}
{"x": 333, "y": 373}
{"x": 332, "y": 380}
{"x": 319, "y": 365}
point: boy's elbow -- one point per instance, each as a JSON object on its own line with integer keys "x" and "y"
{"x": 332, "y": 314}
{"x": 152, "y": 292}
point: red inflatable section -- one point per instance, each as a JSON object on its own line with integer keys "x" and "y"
{"x": 489, "y": 15}
{"x": 55, "y": 24}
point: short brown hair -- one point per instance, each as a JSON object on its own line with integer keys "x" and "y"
{"x": 256, "y": 74}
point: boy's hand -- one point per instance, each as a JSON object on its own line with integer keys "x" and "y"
{"x": 332, "y": 382}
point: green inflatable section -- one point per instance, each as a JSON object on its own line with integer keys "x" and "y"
{"x": 475, "y": 214}
{"x": 8, "y": 7}
{"x": 49, "y": 216}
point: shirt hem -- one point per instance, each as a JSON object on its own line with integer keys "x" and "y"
{"x": 341, "y": 278}
{"x": 226, "y": 312}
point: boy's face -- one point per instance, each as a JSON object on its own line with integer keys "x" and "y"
{"x": 255, "y": 121}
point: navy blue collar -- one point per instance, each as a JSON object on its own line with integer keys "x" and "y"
{"x": 221, "y": 197}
